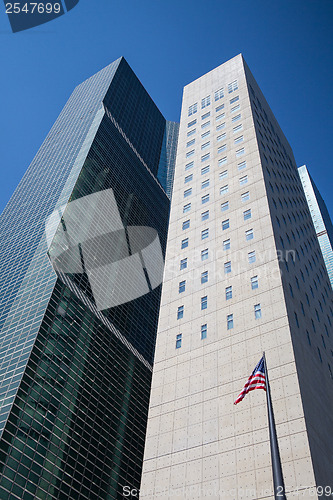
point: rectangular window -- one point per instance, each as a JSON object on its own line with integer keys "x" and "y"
{"x": 205, "y": 102}
{"x": 204, "y": 302}
{"x": 205, "y": 157}
{"x": 239, "y": 139}
{"x": 223, "y": 174}
{"x": 205, "y": 125}
{"x": 193, "y": 109}
{"x": 252, "y": 257}
{"x": 204, "y": 234}
{"x": 205, "y": 145}
{"x": 221, "y": 126}
{"x": 249, "y": 234}
{"x": 206, "y": 115}
{"x": 187, "y": 192}
{"x": 224, "y": 206}
{"x": 180, "y": 312}
{"x": 235, "y": 108}
{"x": 203, "y": 331}
{"x": 232, "y": 86}
{"x": 204, "y": 254}
{"x": 182, "y": 285}
{"x": 205, "y": 170}
{"x": 221, "y": 106}
{"x": 190, "y": 153}
{"x": 224, "y": 189}
{"x": 237, "y": 129}
{"x": 219, "y": 94}
{"x": 240, "y": 152}
{"x": 230, "y": 321}
{"x": 221, "y": 137}
{"x": 191, "y": 132}
{"x": 226, "y": 244}
{"x": 228, "y": 293}
{"x": 222, "y": 161}
{"x": 234, "y": 99}
{"x": 205, "y": 184}
{"x": 257, "y": 311}
{"x": 186, "y": 224}
{"x": 236, "y": 118}
{"x": 190, "y": 143}
{"x": 205, "y": 215}
{"x": 225, "y": 224}
{"x": 186, "y": 208}
{"x": 241, "y": 165}
{"x": 205, "y": 134}
{"x": 183, "y": 264}
{"x": 219, "y": 117}
{"x": 188, "y": 166}
{"x": 188, "y": 178}
{"x": 205, "y": 199}
{"x": 243, "y": 180}
{"x": 190, "y": 124}
{"x": 245, "y": 196}
{"x": 178, "y": 341}
{"x": 254, "y": 282}
{"x": 184, "y": 243}
{"x": 221, "y": 148}
{"x": 247, "y": 214}
{"x": 227, "y": 267}
{"x": 204, "y": 277}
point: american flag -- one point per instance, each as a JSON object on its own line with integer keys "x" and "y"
{"x": 256, "y": 381}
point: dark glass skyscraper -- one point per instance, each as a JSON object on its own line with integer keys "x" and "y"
{"x": 80, "y": 294}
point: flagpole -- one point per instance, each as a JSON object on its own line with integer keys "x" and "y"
{"x": 279, "y": 490}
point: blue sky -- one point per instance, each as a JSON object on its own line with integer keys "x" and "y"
{"x": 288, "y": 45}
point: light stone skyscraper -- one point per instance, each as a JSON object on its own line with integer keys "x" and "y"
{"x": 244, "y": 274}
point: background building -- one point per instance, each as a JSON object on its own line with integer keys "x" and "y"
{"x": 244, "y": 273}
{"x": 321, "y": 218}
{"x": 75, "y": 380}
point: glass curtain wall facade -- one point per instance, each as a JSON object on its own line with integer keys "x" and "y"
{"x": 321, "y": 218}
{"x": 75, "y": 376}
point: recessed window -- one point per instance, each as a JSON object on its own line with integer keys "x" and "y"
{"x": 184, "y": 243}
{"x": 190, "y": 153}
{"x": 205, "y": 145}
{"x": 186, "y": 224}
{"x": 186, "y": 208}
{"x": 204, "y": 254}
{"x": 241, "y": 165}
{"x": 254, "y": 282}
{"x": 226, "y": 244}
{"x": 223, "y": 174}
{"x": 224, "y": 206}
{"x": 237, "y": 128}
{"x": 220, "y": 117}
{"x": 220, "y": 126}
{"x": 227, "y": 267}
{"x": 240, "y": 152}
{"x": 204, "y": 277}
{"x": 228, "y": 293}
{"x": 204, "y": 302}
{"x": 225, "y": 224}
{"x": 235, "y": 108}
{"x": 205, "y": 199}
{"x": 203, "y": 331}
{"x": 206, "y": 115}
{"x": 205, "y": 215}
{"x": 245, "y": 196}
{"x": 180, "y": 312}
{"x": 188, "y": 166}
{"x": 193, "y": 109}
{"x": 190, "y": 143}
{"x": 190, "y": 124}
{"x": 205, "y": 184}
{"x": 178, "y": 341}
{"x": 205, "y": 102}
{"x": 221, "y": 149}
{"x": 221, "y": 137}
{"x": 219, "y": 94}
{"x": 224, "y": 189}
{"x": 204, "y": 234}
{"x": 191, "y": 132}
{"x": 187, "y": 192}
{"x": 232, "y": 86}
{"x": 205, "y": 157}
{"x": 205, "y": 125}
{"x": 183, "y": 264}
{"x": 205, "y": 170}
{"x": 221, "y": 106}
{"x": 239, "y": 139}
{"x": 243, "y": 180}
{"x": 188, "y": 178}
{"x": 257, "y": 311}
{"x": 247, "y": 214}
{"x": 252, "y": 257}
{"x": 249, "y": 234}
{"x": 236, "y": 118}
{"x": 205, "y": 134}
{"x": 222, "y": 161}
{"x": 230, "y": 321}
{"x": 182, "y": 286}
{"x": 234, "y": 99}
